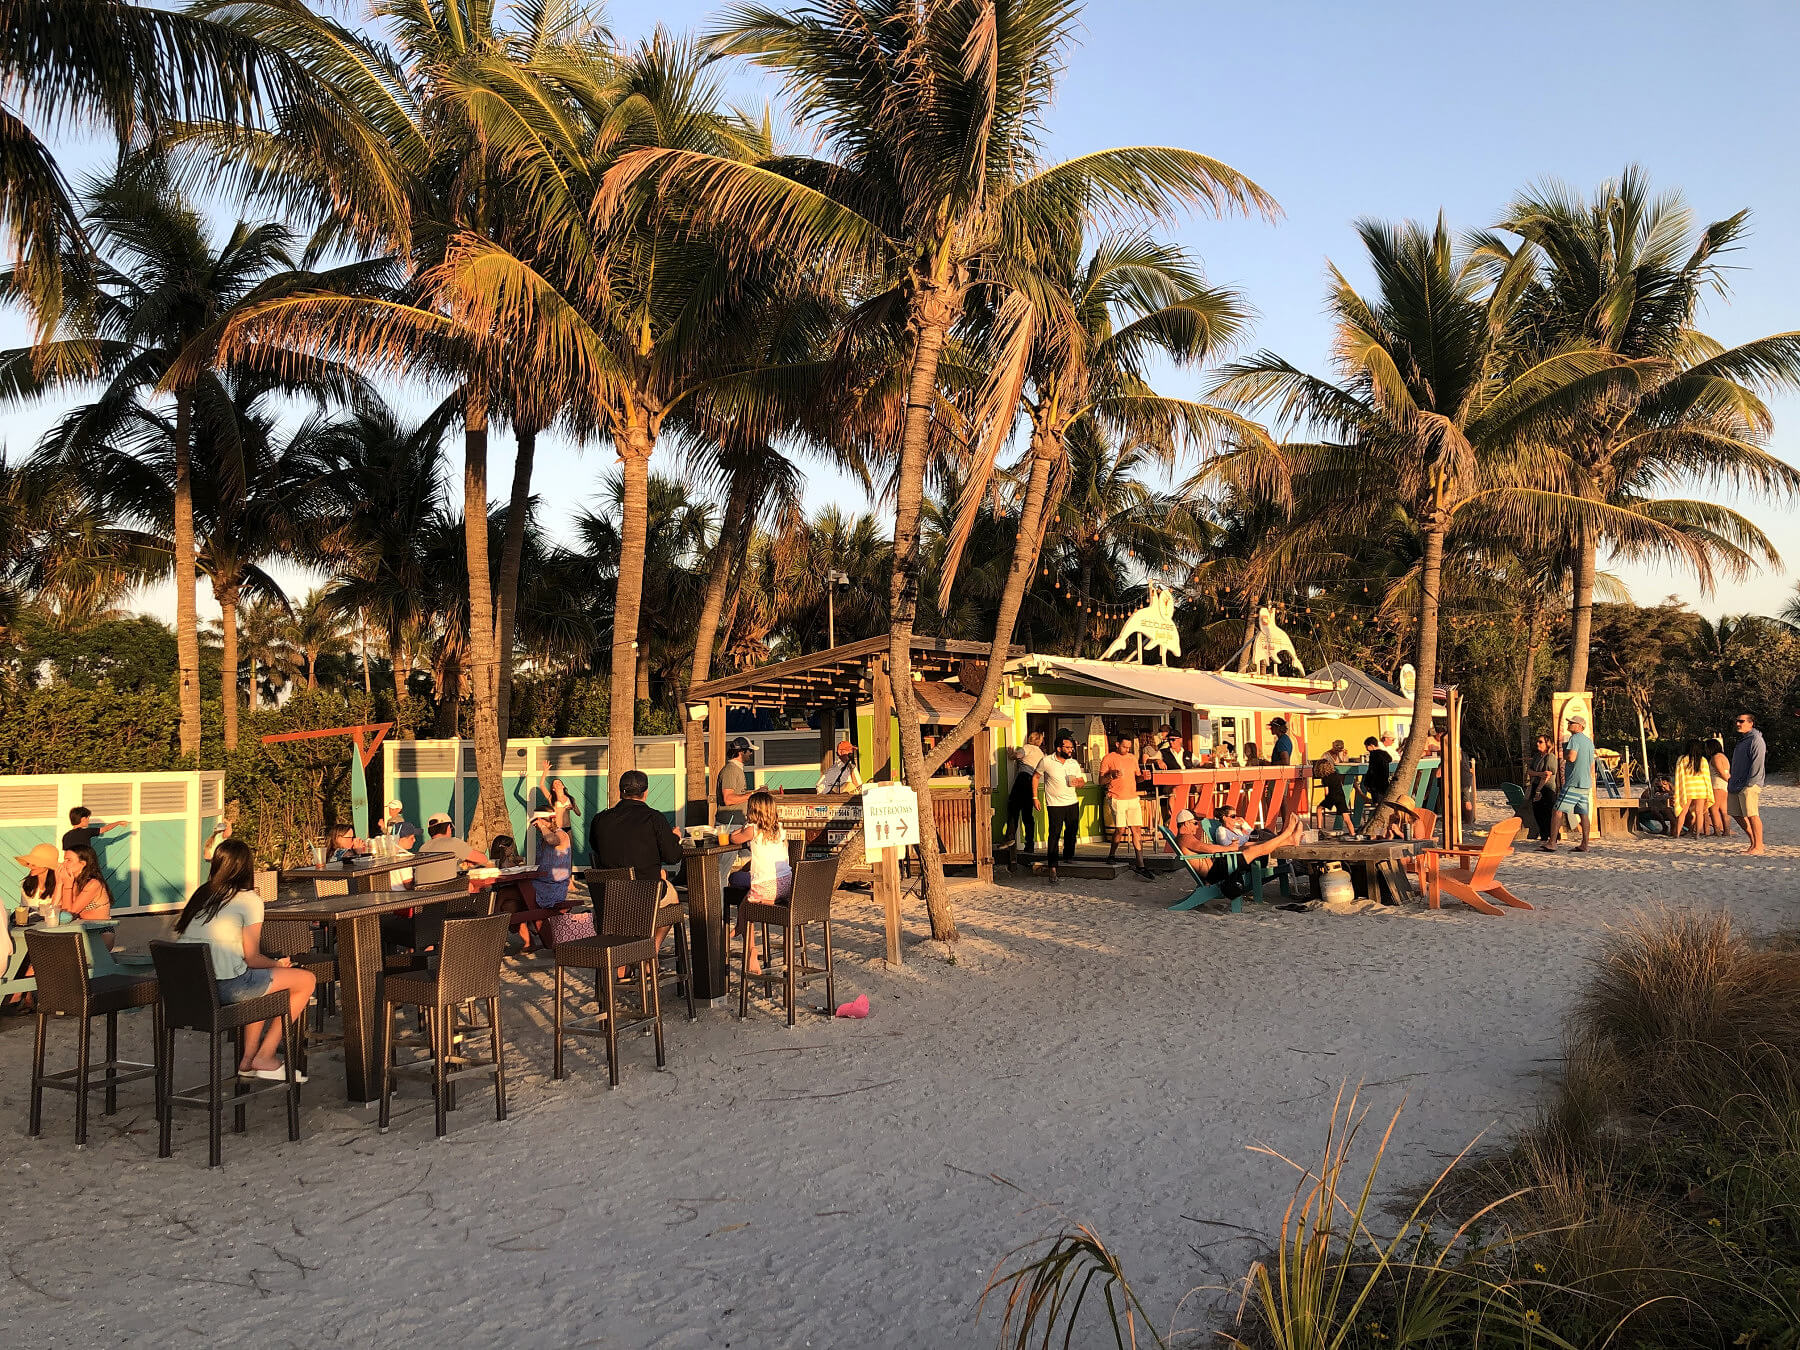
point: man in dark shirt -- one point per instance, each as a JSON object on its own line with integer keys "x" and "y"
{"x": 84, "y": 829}
{"x": 1380, "y": 773}
{"x": 633, "y": 834}
{"x": 1283, "y": 751}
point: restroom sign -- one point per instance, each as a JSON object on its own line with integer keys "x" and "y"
{"x": 890, "y": 816}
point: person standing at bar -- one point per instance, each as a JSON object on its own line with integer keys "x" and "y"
{"x": 1022, "y": 800}
{"x": 1061, "y": 777}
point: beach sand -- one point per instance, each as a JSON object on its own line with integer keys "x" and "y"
{"x": 1090, "y": 1055}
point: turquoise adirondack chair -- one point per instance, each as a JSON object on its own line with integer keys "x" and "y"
{"x": 1205, "y": 890}
{"x": 1521, "y": 805}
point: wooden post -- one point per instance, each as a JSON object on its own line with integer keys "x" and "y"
{"x": 883, "y": 760}
{"x": 827, "y": 733}
{"x": 715, "y": 756}
{"x": 982, "y": 820}
{"x": 1450, "y": 807}
{"x": 887, "y": 881}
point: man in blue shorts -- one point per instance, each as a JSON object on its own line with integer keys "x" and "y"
{"x": 1578, "y": 786}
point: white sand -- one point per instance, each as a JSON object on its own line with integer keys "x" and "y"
{"x": 829, "y": 1186}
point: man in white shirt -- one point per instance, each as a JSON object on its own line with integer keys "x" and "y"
{"x": 840, "y": 775}
{"x": 1060, "y": 776}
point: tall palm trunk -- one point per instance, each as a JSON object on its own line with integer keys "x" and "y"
{"x": 398, "y": 661}
{"x": 1244, "y": 652}
{"x": 490, "y": 810}
{"x": 1083, "y": 628}
{"x": 1581, "y": 618}
{"x": 362, "y": 646}
{"x": 635, "y": 446}
{"x": 1528, "y": 691}
{"x": 933, "y": 309}
{"x": 512, "y": 549}
{"x": 187, "y": 617}
{"x": 1033, "y": 512}
{"x": 724, "y": 559}
{"x": 227, "y": 596}
{"x": 1431, "y": 571}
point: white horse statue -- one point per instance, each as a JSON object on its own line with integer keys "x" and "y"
{"x": 1153, "y": 626}
{"x": 1267, "y": 646}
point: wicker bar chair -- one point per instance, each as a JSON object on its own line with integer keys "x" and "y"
{"x": 467, "y": 970}
{"x": 672, "y": 916}
{"x": 65, "y": 989}
{"x": 627, "y": 938}
{"x": 809, "y": 902}
{"x": 190, "y": 1002}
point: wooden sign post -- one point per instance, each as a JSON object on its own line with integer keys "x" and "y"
{"x": 890, "y": 823}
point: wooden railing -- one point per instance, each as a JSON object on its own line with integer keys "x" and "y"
{"x": 955, "y": 813}
{"x": 1261, "y": 794}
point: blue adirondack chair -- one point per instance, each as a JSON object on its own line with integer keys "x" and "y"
{"x": 1205, "y": 890}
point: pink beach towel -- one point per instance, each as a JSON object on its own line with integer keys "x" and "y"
{"x": 858, "y": 1007}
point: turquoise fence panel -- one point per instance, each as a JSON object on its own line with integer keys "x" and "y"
{"x": 162, "y": 863}
{"x": 15, "y": 843}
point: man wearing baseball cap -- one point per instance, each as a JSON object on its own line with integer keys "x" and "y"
{"x": 840, "y": 773}
{"x": 395, "y": 823}
{"x": 734, "y": 784}
{"x": 1578, "y": 784}
{"x": 442, "y": 840}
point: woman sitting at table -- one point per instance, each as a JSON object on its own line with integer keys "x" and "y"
{"x": 517, "y": 896}
{"x": 342, "y": 845}
{"x": 226, "y": 913}
{"x": 84, "y": 895}
{"x": 551, "y": 885}
{"x": 769, "y": 878}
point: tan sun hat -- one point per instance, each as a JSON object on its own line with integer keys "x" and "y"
{"x": 41, "y": 855}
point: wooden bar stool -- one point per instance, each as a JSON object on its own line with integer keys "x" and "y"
{"x": 65, "y": 989}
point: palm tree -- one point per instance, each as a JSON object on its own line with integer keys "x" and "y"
{"x": 317, "y": 629}
{"x": 143, "y": 320}
{"x": 1433, "y": 416}
{"x": 103, "y": 64}
{"x": 1625, "y": 273}
{"x": 387, "y": 490}
{"x": 273, "y": 662}
{"x": 65, "y": 556}
{"x": 933, "y": 115}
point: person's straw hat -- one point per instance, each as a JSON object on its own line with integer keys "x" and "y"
{"x": 41, "y": 855}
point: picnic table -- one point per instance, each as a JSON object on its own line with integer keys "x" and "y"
{"x": 1377, "y": 860}
{"x": 357, "y": 918}
{"x": 361, "y": 873}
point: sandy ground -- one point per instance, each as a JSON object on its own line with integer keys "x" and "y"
{"x": 834, "y": 1185}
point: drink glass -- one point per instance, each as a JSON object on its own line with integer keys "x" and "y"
{"x": 318, "y": 854}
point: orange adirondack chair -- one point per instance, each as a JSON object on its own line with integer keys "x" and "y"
{"x": 1473, "y": 877}
{"x": 1424, "y": 826}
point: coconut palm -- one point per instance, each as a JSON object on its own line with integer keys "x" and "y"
{"x": 1625, "y": 272}
{"x": 387, "y": 489}
{"x": 932, "y": 117}
{"x": 273, "y": 662}
{"x": 317, "y": 629}
{"x": 64, "y": 555}
{"x": 103, "y": 65}
{"x": 1433, "y": 414}
{"x": 142, "y": 320}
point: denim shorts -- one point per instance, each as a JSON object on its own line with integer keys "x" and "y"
{"x": 242, "y": 988}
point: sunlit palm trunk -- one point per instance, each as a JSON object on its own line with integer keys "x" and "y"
{"x": 1581, "y": 618}
{"x": 1424, "y": 664}
{"x": 1527, "y": 693}
{"x": 397, "y": 660}
{"x": 187, "y": 617}
{"x": 1032, "y": 513}
{"x": 228, "y": 660}
{"x": 933, "y": 311}
{"x": 512, "y": 549}
{"x": 490, "y": 811}
{"x": 724, "y": 558}
{"x": 635, "y": 446}
{"x": 362, "y": 647}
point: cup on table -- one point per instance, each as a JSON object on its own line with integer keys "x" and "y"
{"x": 318, "y": 854}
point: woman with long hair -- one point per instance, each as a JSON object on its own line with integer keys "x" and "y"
{"x": 516, "y": 896}
{"x": 226, "y": 913}
{"x": 1721, "y": 775}
{"x": 770, "y": 876}
{"x": 1693, "y": 789}
{"x": 84, "y": 894}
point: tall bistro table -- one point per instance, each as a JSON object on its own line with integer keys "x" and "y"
{"x": 1378, "y": 860}
{"x": 708, "y": 944}
{"x": 357, "y": 918}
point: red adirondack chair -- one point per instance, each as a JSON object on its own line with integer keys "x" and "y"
{"x": 1471, "y": 878}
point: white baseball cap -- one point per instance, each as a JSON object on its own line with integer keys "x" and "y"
{"x": 1185, "y": 815}
{"x": 396, "y": 805}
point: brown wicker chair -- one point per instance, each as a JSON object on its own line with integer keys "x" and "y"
{"x": 627, "y": 938}
{"x": 65, "y": 989}
{"x": 672, "y": 916}
{"x": 467, "y": 971}
{"x": 190, "y": 1002}
{"x": 809, "y": 902}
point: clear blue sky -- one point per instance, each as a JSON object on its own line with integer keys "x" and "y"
{"x": 1399, "y": 108}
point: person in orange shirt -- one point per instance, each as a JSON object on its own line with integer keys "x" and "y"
{"x": 1124, "y": 812}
